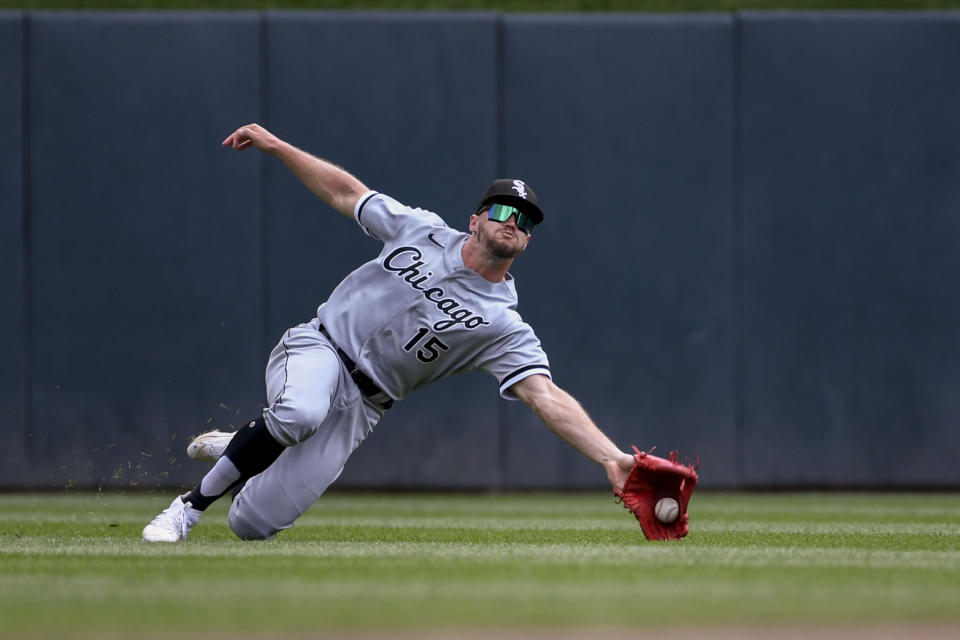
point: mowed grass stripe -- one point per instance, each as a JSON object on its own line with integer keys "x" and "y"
{"x": 331, "y": 591}
{"x": 336, "y": 596}
{"x": 686, "y": 555}
{"x": 625, "y": 539}
{"x": 106, "y": 588}
{"x": 835, "y": 506}
{"x": 566, "y": 509}
{"x": 701, "y": 524}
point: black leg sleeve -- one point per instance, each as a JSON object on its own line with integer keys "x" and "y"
{"x": 253, "y": 449}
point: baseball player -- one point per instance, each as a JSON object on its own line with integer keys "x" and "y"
{"x": 434, "y": 302}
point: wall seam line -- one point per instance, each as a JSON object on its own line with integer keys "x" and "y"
{"x": 503, "y": 416}
{"x": 739, "y": 401}
{"x": 27, "y": 245}
{"x": 263, "y": 108}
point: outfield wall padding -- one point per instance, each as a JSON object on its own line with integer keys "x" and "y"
{"x": 630, "y": 280}
{"x": 146, "y": 243}
{"x": 851, "y": 268}
{"x": 13, "y": 407}
{"x": 408, "y": 104}
{"x": 750, "y": 247}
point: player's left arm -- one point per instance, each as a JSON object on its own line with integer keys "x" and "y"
{"x": 568, "y": 419}
{"x": 329, "y": 182}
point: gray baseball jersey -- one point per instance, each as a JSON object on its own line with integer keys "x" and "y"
{"x": 417, "y": 314}
{"x": 413, "y": 315}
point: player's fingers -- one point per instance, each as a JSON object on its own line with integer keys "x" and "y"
{"x": 231, "y": 140}
{"x": 243, "y": 138}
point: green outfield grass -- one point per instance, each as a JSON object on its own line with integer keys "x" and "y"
{"x": 72, "y": 565}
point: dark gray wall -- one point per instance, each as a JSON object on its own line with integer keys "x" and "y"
{"x": 629, "y": 283}
{"x": 12, "y": 178}
{"x": 406, "y": 106}
{"x": 750, "y": 246}
{"x": 146, "y": 243}
{"x": 851, "y": 196}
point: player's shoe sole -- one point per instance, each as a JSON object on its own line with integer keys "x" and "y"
{"x": 210, "y": 445}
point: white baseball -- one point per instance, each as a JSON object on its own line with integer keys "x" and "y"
{"x": 667, "y": 510}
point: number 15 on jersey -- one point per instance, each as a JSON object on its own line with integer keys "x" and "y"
{"x": 429, "y": 350}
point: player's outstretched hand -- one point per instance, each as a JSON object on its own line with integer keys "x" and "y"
{"x": 618, "y": 469}
{"x": 251, "y": 135}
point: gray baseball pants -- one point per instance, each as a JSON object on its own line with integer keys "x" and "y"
{"x": 316, "y": 411}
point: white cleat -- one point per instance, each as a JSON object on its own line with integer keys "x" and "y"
{"x": 173, "y": 524}
{"x": 209, "y": 445}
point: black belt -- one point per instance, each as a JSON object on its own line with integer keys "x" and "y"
{"x": 367, "y": 386}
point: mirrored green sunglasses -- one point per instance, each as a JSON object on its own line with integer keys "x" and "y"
{"x": 502, "y": 213}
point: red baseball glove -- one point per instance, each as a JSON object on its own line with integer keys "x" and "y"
{"x": 653, "y": 478}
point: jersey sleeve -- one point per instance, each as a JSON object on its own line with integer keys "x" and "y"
{"x": 385, "y": 219}
{"x": 514, "y": 356}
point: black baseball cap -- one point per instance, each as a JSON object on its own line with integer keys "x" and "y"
{"x": 515, "y": 193}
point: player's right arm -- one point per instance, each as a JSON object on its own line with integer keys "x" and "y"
{"x": 332, "y": 184}
{"x": 567, "y": 418}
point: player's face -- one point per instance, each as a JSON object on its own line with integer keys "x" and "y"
{"x": 504, "y": 240}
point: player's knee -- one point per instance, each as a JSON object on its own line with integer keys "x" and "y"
{"x": 294, "y": 423}
{"x": 311, "y": 416}
{"x": 246, "y": 524}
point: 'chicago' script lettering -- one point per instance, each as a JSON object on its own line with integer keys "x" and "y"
{"x": 406, "y": 263}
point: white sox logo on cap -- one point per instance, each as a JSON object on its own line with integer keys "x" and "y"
{"x": 521, "y": 188}
{"x": 515, "y": 193}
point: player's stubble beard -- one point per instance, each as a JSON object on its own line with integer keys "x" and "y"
{"x": 497, "y": 246}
